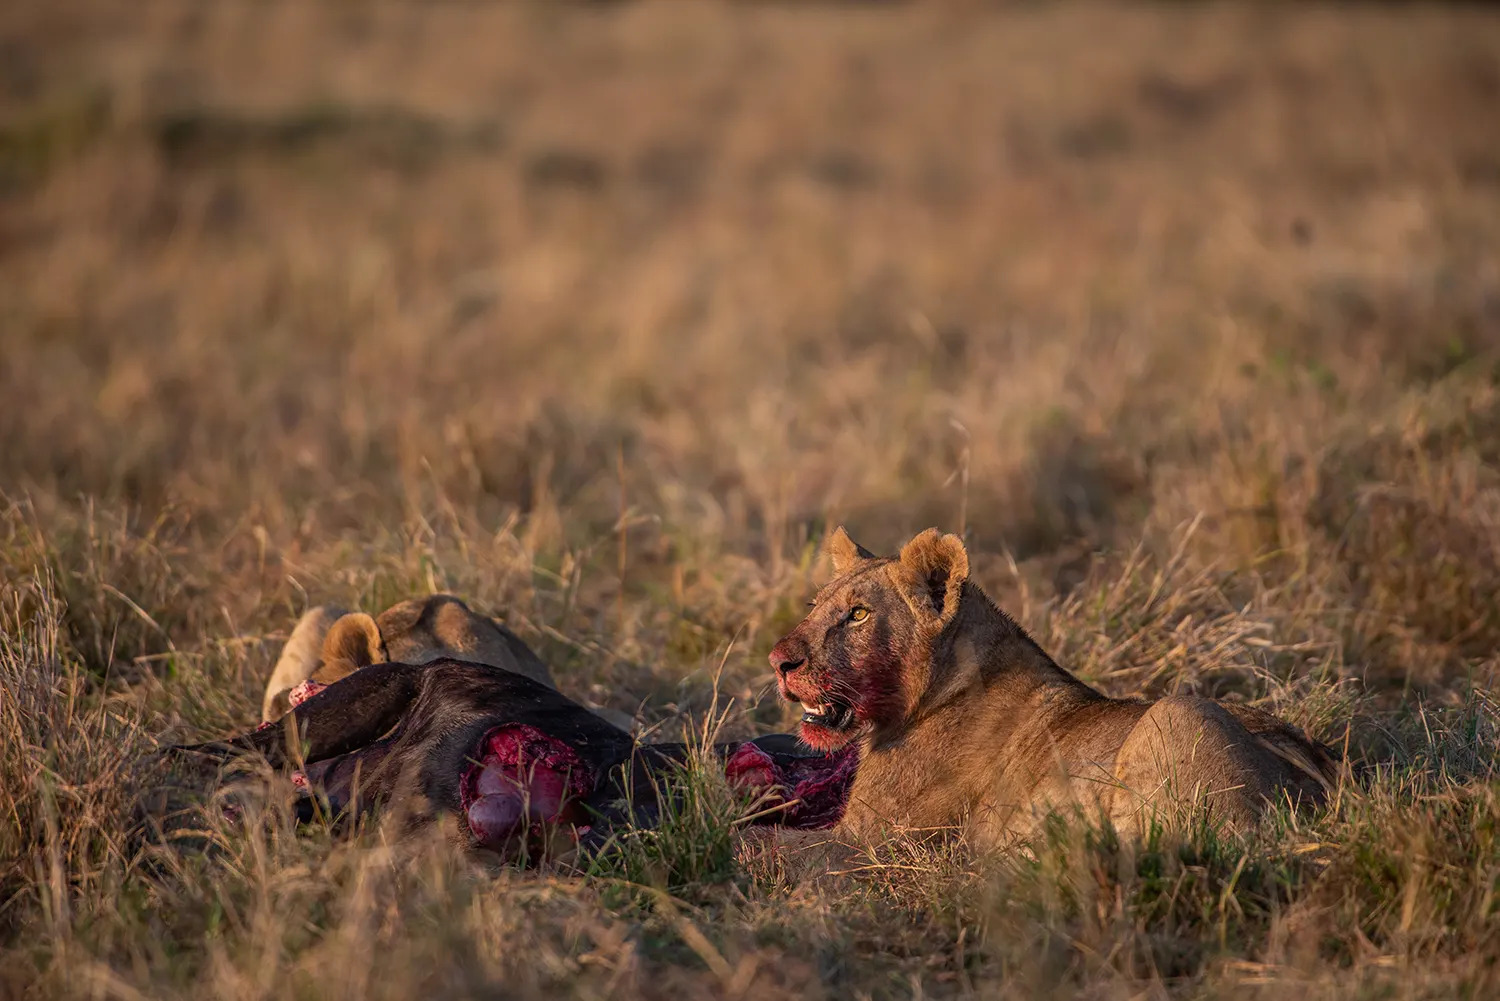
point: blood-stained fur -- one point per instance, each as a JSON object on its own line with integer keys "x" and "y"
{"x": 962, "y": 721}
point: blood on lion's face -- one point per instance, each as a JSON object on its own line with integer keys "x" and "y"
{"x": 860, "y": 660}
{"x": 844, "y": 662}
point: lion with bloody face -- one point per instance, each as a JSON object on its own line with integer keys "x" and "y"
{"x": 963, "y": 721}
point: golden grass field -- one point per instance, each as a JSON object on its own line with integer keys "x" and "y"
{"x": 602, "y": 315}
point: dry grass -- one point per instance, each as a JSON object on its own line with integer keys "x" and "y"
{"x": 600, "y": 315}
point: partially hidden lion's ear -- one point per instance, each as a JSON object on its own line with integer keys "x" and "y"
{"x": 844, "y": 551}
{"x": 352, "y": 643}
{"x": 931, "y": 575}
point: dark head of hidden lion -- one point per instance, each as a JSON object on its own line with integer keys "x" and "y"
{"x": 965, "y": 722}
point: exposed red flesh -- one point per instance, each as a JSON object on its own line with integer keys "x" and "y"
{"x": 751, "y": 767}
{"x": 296, "y": 697}
{"x": 494, "y": 779}
{"x": 521, "y": 776}
{"x": 821, "y": 788}
{"x": 816, "y": 786}
{"x": 496, "y": 819}
{"x": 304, "y": 691}
{"x": 522, "y": 780}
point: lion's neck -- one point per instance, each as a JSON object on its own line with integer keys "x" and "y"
{"x": 986, "y": 655}
{"x": 989, "y": 683}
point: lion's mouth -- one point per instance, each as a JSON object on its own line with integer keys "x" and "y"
{"x": 831, "y": 715}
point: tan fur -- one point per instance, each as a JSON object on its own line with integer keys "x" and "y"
{"x": 353, "y": 642}
{"x": 329, "y": 644}
{"x": 299, "y": 658}
{"x": 965, "y": 722}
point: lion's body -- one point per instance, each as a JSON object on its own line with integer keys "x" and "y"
{"x": 965, "y": 722}
{"x": 329, "y": 644}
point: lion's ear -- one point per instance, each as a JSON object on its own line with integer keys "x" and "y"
{"x": 844, "y": 551}
{"x": 352, "y": 643}
{"x": 931, "y": 575}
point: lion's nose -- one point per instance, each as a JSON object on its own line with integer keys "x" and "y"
{"x": 787, "y": 656}
{"x": 785, "y": 667}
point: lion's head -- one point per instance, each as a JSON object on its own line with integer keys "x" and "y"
{"x": 863, "y": 658}
{"x": 329, "y": 644}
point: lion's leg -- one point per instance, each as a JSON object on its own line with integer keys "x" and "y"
{"x": 1188, "y": 751}
{"x": 299, "y": 659}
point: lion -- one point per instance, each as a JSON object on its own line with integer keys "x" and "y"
{"x": 329, "y": 644}
{"x": 965, "y": 722}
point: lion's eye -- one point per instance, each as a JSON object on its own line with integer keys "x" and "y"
{"x": 859, "y": 615}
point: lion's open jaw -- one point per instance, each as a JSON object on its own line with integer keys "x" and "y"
{"x": 828, "y": 726}
{"x": 829, "y": 715}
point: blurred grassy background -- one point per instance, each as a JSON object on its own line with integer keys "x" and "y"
{"x": 600, "y": 315}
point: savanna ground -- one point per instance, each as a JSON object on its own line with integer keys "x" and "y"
{"x": 601, "y": 315}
